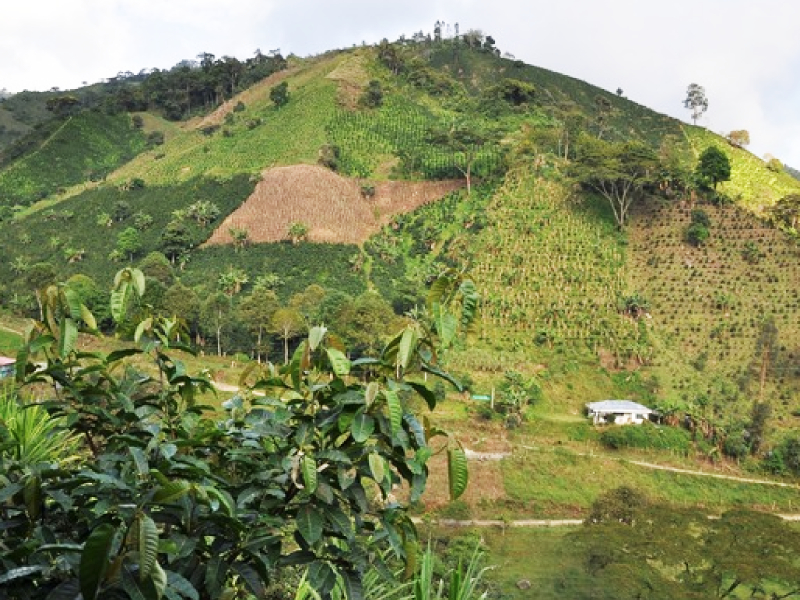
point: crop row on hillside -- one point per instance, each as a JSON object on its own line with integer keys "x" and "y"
{"x": 552, "y": 272}
{"x": 711, "y": 304}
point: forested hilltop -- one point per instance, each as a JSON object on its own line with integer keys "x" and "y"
{"x": 616, "y": 252}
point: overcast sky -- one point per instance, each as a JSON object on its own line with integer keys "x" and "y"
{"x": 746, "y": 53}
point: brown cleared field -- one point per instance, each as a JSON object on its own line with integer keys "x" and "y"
{"x": 332, "y": 206}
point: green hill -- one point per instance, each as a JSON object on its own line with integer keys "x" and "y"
{"x": 563, "y": 289}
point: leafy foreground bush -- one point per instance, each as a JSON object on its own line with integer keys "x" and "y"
{"x": 176, "y": 503}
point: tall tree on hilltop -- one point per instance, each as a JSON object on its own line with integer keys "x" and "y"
{"x": 696, "y": 101}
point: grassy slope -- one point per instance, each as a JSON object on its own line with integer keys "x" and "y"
{"x": 752, "y": 185}
{"x": 91, "y": 142}
{"x": 290, "y": 135}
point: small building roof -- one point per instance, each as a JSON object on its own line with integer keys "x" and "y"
{"x": 618, "y": 406}
{"x": 4, "y": 360}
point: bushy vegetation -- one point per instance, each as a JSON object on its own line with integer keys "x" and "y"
{"x": 648, "y": 435}
{"x": 178, "y": 501}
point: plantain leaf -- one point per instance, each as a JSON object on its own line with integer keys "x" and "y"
{"x": 88, "y": 318}
{"x": 94, "y": 560}
{"x": 309, "y": 468}
{"x": 148, "y": 546}
{"x": 457, "y": 471}
{"x": 309, "y": 524}
{"x": 20, "y": 572}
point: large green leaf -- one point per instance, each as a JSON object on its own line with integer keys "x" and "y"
{"x": 309, "y": 524}
{"x": 362, "y": 426}
{"x": 321, "y": 577}
{"x": 315, "y": 336}
{"x": 171, "y": 491}
{"x": 180, "y": 584}
{"x": 377, "y": 467}
{"x": 251, "y": 578}
{"x": 425, "y": 392}
{"x": 408, "y": 344}
{"x": 309, "y": 468}
{"x": 94, "y": 560}
{"x": 395, "y": 410}
{"x": 19, "y": 573}
{"x": 68, "y": 337}
{"x": 457, "y": 470}
{"x": 339, "y": 362}
{"x": 148, "y": 546}
{"x": 352, "y": 585}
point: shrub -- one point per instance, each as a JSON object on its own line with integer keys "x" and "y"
{"x": 648, "y": 436}
{"x": 697, "y": 234}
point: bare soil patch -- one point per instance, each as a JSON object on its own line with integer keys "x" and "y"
{"x": 332, "y": 206}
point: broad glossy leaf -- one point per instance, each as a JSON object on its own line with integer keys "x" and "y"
{"x": 171, "y": 491}
{"x": 68, "y": 338}
{"x": 251, "y": 578}
{"x": 457, "y": 470}
{"x": 339, "y": 362}
{"x": 69, "y": 590}
{"x": 148, "y": 546}
{"x": 408, "y": 344}
{"x": 309, "y": 468}
{"x": 180, "y": 584}
{"x": 309, "y": 524}
{"x": 373, "y": 387}
{"x": 321, "y": 577}
{"x": 362, "y": 426}
{"x": 315, "y": 336}
{"x": 352, "y": 585}
{"x": 377, "y": 467}
{"x": 140, "y": 460}
{"x": 20, "y": 572}
{"x": 395, "y": 410}
{"x": 425, "y": 392}
{"x": 94, "y": 560}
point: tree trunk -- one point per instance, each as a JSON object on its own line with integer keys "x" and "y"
{"x": 219, "y": 333}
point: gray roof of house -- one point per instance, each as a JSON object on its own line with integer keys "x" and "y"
{"x": 612, "y": 406}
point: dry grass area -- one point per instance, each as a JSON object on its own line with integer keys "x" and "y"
{"x": 333, "y": 207}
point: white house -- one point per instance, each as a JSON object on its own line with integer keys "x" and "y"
{"x": 7, "y": 366}
{"x": 624, "y": 412}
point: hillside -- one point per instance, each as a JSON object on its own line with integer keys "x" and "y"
{"x": 370, "y": 152}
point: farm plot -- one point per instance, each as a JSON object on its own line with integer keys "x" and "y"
{"x": 334, "y": 208}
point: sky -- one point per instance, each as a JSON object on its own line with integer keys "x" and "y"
{"x": 745, "y": 53}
